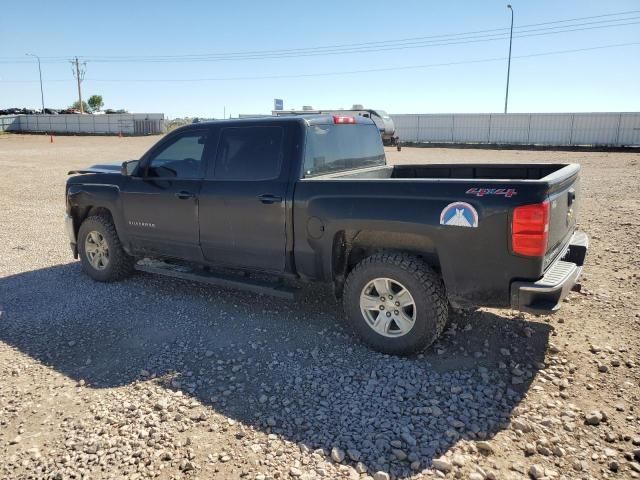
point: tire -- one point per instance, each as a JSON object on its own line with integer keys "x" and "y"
{"x": 422, "y": 322}
{"x": 116, "y": 264}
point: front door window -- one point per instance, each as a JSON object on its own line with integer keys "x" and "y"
{"x": 181, "y": 159}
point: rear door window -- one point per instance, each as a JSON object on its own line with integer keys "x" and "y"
{"x": 249, "y": 153}
{"x": 334, "y": 148}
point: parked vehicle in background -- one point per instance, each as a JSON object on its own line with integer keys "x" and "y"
{"x": 19, "y": 111}
{"x": 381, "y": 119}
{"x": 311, "y": 199}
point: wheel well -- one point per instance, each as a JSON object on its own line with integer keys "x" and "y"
{"x": 100, "y": 212}
{"x": 80, "y": 214}
{"x": 350, "y": 248}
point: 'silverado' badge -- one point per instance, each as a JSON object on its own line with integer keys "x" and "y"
{"x": 459, "y": 214}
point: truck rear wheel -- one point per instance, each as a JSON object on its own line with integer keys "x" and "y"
{"x": 101, "y": 252}
{"x": 396, "y": 303}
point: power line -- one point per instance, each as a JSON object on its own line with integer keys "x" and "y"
{"x": 412, "y": 42}
{"x": 410, "y": 39}
{"x": 405, "y": 41}
{"x": 478, "y": 39}
{"x": 350, "y": 72}
{"x": 535, "y": 33}
{"x": 406, "y": 67}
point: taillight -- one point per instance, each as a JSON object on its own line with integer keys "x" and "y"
{"x": 530, "y": 229}
{"x": 343, "y": 119}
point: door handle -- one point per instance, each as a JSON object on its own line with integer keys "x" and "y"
{"x": 268, "y": 198}
{"x": 183, "y": 195}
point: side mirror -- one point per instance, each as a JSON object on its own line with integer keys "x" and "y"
{"x": 129, "y": 167}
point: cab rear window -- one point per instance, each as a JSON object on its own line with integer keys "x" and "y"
{"x": 335, "y": 148}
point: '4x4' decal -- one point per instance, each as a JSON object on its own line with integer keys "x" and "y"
{"x": 481, "y": 192}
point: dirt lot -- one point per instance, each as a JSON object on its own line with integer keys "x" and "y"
{"x": 162, "y": 378}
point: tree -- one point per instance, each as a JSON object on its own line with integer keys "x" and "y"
{"x": 95, "y": 102}
{"x": 85, "y": 107}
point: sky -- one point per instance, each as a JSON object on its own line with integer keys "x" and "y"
{"x": 414, "y": 56}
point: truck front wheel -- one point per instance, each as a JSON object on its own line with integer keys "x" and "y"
{"x": 395, "y": 302}
{"x": 101, "y": 252}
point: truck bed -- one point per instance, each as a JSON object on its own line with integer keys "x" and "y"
{"x": 534, "y": 171}
{"x": 485, "y": 172}
{"x": 409, "y": 199}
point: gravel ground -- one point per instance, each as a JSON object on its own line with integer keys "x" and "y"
{"x": 156, "y": 377}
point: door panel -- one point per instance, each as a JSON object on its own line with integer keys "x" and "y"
{"x": 242, "y": 200}
{"x": 161, "y": 202}
{"x": 239, "y": 229}
{"x": 158, "y": 221}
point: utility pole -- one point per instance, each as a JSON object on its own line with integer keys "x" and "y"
{"x": 40, "y": 72}
{"x": 79, "y": 74}
{"x": 506, "y": 96}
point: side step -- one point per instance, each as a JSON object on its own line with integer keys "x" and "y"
{"x": 221, "y": 280}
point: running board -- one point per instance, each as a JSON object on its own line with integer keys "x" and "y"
{"x": 222, "y": 280}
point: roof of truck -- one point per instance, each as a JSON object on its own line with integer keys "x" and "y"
{"x": 313, "y": 119}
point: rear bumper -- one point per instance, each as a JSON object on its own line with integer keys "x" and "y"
{"x": 545, "y": 295}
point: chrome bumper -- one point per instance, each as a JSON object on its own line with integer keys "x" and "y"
{"x": 545, "y": 295}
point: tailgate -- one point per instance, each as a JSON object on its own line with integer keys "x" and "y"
{"x": 563, "y": 199}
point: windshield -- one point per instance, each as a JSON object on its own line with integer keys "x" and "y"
{"x": 383, "y": 114}
{"x": 334, "y": 148}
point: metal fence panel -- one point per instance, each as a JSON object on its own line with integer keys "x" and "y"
{"x": 509, "y": 128}
{"x": 9, "y": 123}
{"x": 85, "y": 123}
{"x": 146, "y": 126}
{"x": 629, "y": 131}
{"x": 73, "y": 124}
{"x": 470, "y": 128}
{"x": 550, "y": 128}
{"x": 615, "y": 129}
{"x": 29, "y": 123}
{"x": 124, "y": 124}
{"x": 99, "y": 124}
{"x": 116, "y": 126}
{"x": 437, "y": 127}
{"x": 57, "y": 123}
{"x": 147, "y": 116}
{"x": 407, "y": 127}
{"x": 595, "y": 128}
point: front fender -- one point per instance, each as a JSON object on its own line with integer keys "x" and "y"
{"x": 82, "y": 198}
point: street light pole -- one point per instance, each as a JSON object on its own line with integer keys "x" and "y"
{"x": 40, "y": 72}
{"x": 506, "y": 96}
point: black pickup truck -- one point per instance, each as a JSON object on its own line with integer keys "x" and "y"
{"x": 267, "y": 203}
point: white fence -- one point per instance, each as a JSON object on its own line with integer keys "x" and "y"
{"x": 9, "y": 123}
{"x": 610, "y": 129}
{"x": 114, "y": 124}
